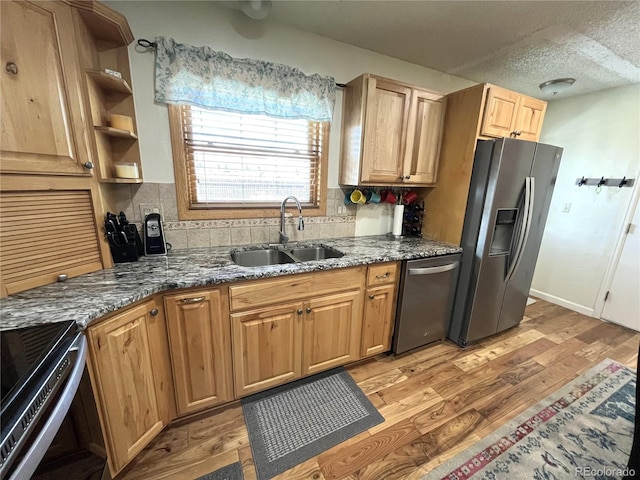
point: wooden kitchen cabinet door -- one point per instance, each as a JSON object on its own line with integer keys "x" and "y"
{"x": 43, "y": 126}
{"x": 423, "y": 138}
{"x": 378, "y": 319}
{"x": 384, "y": 137}
{"x": 529, "y": 117}
{"x": 200, "y": 341}
{"x": 331, "y": 331}
{"x": 266, "y": 347}
{"x": 500, "y": 112}
{"x": 124, "y": 378}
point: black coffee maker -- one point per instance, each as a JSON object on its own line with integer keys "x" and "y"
{"x": 154, "y": 242}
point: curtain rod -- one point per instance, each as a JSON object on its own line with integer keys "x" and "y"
{"x": 144, "y": 43}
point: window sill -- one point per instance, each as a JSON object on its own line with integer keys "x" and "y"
{"x": 229, "y": 213}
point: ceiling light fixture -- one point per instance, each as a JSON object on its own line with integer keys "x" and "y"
{"x": 559, "y": 85}
{"x": 256, "y": 9}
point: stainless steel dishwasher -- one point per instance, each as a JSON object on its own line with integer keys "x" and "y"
{"x": 425, "y": 302}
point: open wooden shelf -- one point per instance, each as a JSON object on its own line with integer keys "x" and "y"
{"x": 121, "y": 180}
{"x": 109, "y": 83}
{"x": 116, "y": 132}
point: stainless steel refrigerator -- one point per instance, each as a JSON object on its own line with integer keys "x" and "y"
{"x": 509, "y": 196}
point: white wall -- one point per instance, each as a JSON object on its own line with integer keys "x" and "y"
{"x": 600, "y": 133}
{"x": 204, "y": 23}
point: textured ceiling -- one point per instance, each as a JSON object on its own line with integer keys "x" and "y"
{"x": 515, "y": 44}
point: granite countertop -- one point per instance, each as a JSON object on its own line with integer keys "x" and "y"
{"x": 91, "y": 296}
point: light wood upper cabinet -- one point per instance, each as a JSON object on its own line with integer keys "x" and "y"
{"x": 423, "y": 138}
{"x": 331, "y": 331}
{"x": 390, "y": 134}
{"x": 43, "y": 128}
{"x": 479, "y": 112}
{"x": 530, "y": 114}
{"x": 387, "y": 111}
{"x": 509, "y": 114}
{"x": 127, "y": 357}
{"x": 267, "y": 346}
{"x": 200, "y": 348}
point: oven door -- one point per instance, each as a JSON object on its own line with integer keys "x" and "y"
{"x": 42, "y": 419}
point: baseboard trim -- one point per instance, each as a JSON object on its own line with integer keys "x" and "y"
{"x": 563, "y": 303}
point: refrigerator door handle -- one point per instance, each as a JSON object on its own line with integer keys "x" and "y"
{"x": 526, "y": 223}
{"x": 530, "y": 183}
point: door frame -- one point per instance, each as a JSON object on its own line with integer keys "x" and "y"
{"x": 610, "y": 272}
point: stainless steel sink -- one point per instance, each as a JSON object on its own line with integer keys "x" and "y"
{"x": 306, "y": 254}
{"x": 274, "y": 256}
{"x": 259, "y": 258}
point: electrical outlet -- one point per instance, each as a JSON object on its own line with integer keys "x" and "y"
{"x": 566, "y": 208}
{"x": 147, "y": 208}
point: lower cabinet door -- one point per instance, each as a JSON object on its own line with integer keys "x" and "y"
{"x": 378, "y": 320}
{"x": 331, "y": 331}
{"x": 200, "y": 343}
{"x": 124, "y": 382}
{"x": 266, "y": 349}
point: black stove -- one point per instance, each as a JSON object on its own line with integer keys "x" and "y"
{"x": 35, "y": 363}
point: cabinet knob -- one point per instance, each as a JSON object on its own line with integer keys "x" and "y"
{"x": 299, "y": 311}
{"x": 192, "y": 300}
{"x": 63, "y": 277}
{"x": 407, "y": 177}
{"x": 372, "y": 297}
{"x": 154, "y": 312}
{"x": 308, "y": 310}
{"x": 11, "y": 68}
{"x": 88, "y": 165}
{"x": 516, "y": 133}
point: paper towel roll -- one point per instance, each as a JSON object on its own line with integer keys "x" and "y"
{"x": 398, "y": 214}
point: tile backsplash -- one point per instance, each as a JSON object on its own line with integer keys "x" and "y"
{"x": 190, "y": 234}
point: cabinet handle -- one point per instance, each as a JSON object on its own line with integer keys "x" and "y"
{"x": 88, "y": 165}
{"x": 372, "y": 297}
{"x": 299, "y": 311}
{"x": 308, "y": 310}
{"x": 153, "y": 312}
{"x": 192, "y": 300}
{"x": 516, "y": 133}
{"x": 386, "y": 275}
{"x": 11, "y": 68}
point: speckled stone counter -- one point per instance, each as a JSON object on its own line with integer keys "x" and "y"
{"x": 89, "y": 297}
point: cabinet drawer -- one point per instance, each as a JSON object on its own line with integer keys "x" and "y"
{"x": 382, "y": 274}
{"x": 294, "y": 287}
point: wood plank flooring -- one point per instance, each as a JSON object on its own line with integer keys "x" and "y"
{"x": 436, "y": 402}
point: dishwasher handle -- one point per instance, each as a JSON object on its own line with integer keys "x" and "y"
{"x": 432, "y": 270}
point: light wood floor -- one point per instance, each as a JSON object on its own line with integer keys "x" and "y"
{"x": 435, "y": 401}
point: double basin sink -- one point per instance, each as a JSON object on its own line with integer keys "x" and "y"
{"x": 283, "y": 254}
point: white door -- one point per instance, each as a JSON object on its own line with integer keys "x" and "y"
{"x": 623, "y": 303}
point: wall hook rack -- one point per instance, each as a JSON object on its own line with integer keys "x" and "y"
{"x": 606, "y": 182}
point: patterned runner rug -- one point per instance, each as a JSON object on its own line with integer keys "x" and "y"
{"x": 292, "y": 423}
{"x": 583, "y": 430}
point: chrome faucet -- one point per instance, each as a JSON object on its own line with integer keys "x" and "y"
{"x": 282, "y": 233}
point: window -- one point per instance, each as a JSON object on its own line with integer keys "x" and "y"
{"x": 232, "y": 165}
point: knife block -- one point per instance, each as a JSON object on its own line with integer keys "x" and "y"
{"x": 127, "y": 252}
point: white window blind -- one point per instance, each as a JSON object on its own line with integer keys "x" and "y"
{"x": 238, "y": 160}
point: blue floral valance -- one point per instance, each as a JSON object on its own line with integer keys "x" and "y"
{"x": 205, "y": 78}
